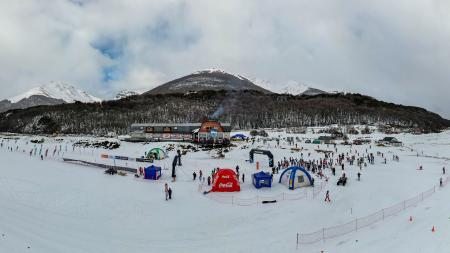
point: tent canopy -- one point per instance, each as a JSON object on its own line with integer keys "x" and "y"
{"x": 295, "y": 177}
{"x": 156, "y": 153}
{"x": 262, "y": 179}
{"x": 225, "y": 180}
{"x": 152, "y": 172}
{"x": 239, "y": 136}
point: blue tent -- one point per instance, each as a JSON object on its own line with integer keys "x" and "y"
{"x": 295, "y": 177}
{"x": 239, "y": 136}
{"x": 262, "y": 179}
{"x": 152, "y": 172}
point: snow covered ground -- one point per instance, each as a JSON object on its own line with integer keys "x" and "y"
{"x": 52, "y": 206}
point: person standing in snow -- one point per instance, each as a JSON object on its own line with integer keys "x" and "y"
{"x": 243, "y": 178}
{"x": 209, "y": 180}
{"x": 170, "y": 192}
{"x": 166, "y": 191}
{"x": 359, "y": 176}
{"x": 237, "y": 169}
{"x": 194, "y": 175}
{"x": 443, "y": 170}
{"x": 327, "y": 196}
{"x": 179, "y": 157}
{"x": 200, "y": 175}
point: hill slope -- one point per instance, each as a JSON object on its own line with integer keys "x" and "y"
{"x": 207, "y": 80}
{"x": 243, "y": 109}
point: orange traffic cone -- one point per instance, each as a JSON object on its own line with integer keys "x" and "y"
{"x": 433, "y": 229}
{"x": 410, "y": 218}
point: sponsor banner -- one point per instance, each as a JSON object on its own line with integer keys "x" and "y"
{"x": 143, "y": 160}
{"x": 121, "y": 157}
{"x": 227, "y": 185}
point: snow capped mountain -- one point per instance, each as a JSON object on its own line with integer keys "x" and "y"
{"x": 57, "y": 90}
{"x": 218, "y": 71}
{"x": 291, "y": 87}
{"x": 126, "y": 93}
{"x": 209, "y": 79}
{"x": 53, "y": 93}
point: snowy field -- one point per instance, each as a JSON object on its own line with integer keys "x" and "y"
{"x": 52, "y": 206}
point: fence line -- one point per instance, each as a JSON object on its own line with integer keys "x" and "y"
{"x": 252, "y": 201}
{"x": 362, "y": 222}
{"x": 258, "y": 199}
{"x": 318, "y": 190}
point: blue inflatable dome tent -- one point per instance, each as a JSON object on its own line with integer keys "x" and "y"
{"x": 262, "y": 179}
{"x": 152, "y": 172}
{"x": 239, "y": 136}
{"x": 295, "y": 177}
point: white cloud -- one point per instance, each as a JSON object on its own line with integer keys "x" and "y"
{"x": 397, "y": 51}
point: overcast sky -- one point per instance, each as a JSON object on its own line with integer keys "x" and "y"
{"x": 398, "y": 51}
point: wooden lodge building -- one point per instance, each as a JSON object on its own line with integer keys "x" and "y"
{"x": 210, "y": 131}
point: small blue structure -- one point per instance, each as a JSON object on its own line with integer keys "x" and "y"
{"x": 295, "y": 177}
{"x": 262, "y": 179}
{"x": 152, "y": 172}
{"x": 239, "y": 136}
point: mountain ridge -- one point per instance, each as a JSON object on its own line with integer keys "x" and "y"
{"x": 49, "y": 94}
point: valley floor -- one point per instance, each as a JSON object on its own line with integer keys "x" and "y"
{"x": 52, "y": 206}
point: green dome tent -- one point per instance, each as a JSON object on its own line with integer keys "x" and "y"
{"x": 156, "y": 153}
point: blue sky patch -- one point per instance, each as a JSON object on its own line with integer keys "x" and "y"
{"x": 110, "y": 47}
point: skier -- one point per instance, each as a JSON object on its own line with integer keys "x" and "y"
{"x": 170, "y": 193}
{"x": 209, "y": 180}
{"x": 243, "y": 177}
{"x": 237, "y": 169}
{"x": 200, "y": 175}
{"x": 194, "y": 175}
{"x": 443, "y": 170}
{"x": 440, "y": 182}
{"x": 166, "y": 191}
{"x": 333, "y": 170}
{"x": 327, "y": 196}
{"x": 359, "y": 176}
